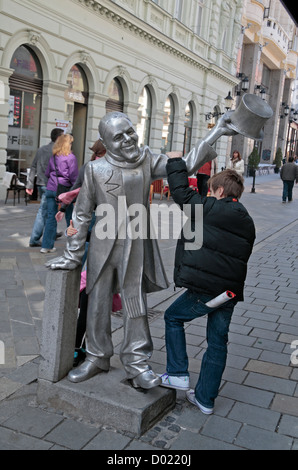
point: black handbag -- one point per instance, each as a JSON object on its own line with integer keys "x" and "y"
{"x": 60, "y": 187}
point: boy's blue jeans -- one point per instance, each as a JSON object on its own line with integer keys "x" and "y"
{"x": 187, "y": 307}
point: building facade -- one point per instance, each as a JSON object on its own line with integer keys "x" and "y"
{"x": 267, "y": 65}
{"x": 166, "y": 63}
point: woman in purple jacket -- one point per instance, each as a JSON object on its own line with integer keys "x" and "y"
{"x": 67, "y": 172}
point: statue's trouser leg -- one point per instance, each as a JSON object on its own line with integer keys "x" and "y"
{"x": 99, "y": 344}
{"x": 137, "y": 345}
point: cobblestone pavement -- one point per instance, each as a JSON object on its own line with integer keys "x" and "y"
{"x": 257, "y": 407}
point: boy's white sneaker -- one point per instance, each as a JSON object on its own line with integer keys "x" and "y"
{"x": 48, "y": 250}
{"x": 190, "y": 395}
{"x": 173, "y": 381}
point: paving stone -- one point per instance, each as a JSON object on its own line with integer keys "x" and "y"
{"x": 8, "y": 387}
{"x": 289, "y": 426}
{"x": 269, "y": 368}
{"x": 11, "y": 440}
{"x": 232, "y": 374}
{"x": 218, "y": 427}
{"x": 108, "y": 440}
{"x": 247, "y": 394}
{"x": 191, "y": 418}
{"x": 33, "y": 421}
{"x": 72, "y": 434}
{"x": 278, "y": 358}
{"x": 189, "y": 441}
{"x": 245, "y": 351}
{"x": 261, "y": 333}
{"x": 259, "y": 439}
{"x": 139, "y": 445}
{"x": 255, "y": 416}
{"x": 273, "y": 384}
{"x": 268, "y": 345}
{"x": 265, "y": 325}
{"x": 285, "y": 404}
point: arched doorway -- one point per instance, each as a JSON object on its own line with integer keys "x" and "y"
{"x": 115, "y": 100}
{"x": 76, "y": 108}
{"x": 25, "y": 98}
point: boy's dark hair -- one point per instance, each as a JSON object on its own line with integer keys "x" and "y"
{"x": 230, "y": 180}
{"x": 56, "y": 132}
{"x": 291, "y": 159}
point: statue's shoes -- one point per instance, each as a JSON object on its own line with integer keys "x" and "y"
{"x": 84, "y": 372}
{"x": 147, "y": 379}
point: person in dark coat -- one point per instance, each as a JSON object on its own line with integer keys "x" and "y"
{"x": 288, "y": 174}
{"x": 218, "y": 266}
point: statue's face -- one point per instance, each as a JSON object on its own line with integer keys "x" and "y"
{"x": 121, "y": 139}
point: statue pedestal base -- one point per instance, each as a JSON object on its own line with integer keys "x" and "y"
{"x": 108, "y": 399}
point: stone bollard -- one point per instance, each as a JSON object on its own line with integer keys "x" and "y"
{"x": 59, "y": 323}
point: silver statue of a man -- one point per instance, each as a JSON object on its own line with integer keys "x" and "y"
{"x": 132, "y": 267}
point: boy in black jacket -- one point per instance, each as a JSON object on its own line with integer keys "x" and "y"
{"x": 219, "y": 265}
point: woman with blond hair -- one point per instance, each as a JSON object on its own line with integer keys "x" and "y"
{"x": 62, "y": 169}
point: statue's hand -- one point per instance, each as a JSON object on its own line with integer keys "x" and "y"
{"x": 224, "y": 122}
{"x": 61, "y": 263}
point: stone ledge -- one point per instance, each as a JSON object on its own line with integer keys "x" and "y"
{"x": 108, "y": 399}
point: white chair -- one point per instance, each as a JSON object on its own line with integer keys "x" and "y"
{"x": 12, "y": 183}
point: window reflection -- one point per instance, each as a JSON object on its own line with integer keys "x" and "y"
{"x": 24, "y": 111}
{"x": 144, "y": 116}
{"x": 115, "y": 100}
{"x": 188, "y": 124}
{"x": 168, "y": 125}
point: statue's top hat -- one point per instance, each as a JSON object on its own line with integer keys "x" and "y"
{"x": 250, "y": 116}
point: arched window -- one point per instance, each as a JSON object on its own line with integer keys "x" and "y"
{"x": 115, "y": 100}
{"x": 168, "y": 125}
{"x": 77, "y": 91}
{"x": 76, "y": 107}
{"x": 144, "y": 116}
{"x": 25, "y": 62}
{"x": 188, "y": 123}
{"x": 24, "y": 110}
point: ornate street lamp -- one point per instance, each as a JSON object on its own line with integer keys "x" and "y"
{"x": 228, "y": 101}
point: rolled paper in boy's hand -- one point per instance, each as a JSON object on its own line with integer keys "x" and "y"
{"x": 220, "y": 299}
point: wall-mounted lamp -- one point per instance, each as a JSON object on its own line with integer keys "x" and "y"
{"x": 286, "y": 110}
{"x": 243, "y": 85}
{"x": 210, "y": 115}
{"x": 228, "y": 104}
{"x": 293, "y": 115}
{"x": 260, "y": 90}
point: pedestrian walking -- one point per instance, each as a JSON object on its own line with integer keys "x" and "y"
{"x": 218, "y": 266}
{"x": 288, "y": 174}
{"x": 38, "y": 169}
{"x": 62, "y": 169}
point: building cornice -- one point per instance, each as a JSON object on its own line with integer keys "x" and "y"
{"x": 157, "y": 41}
